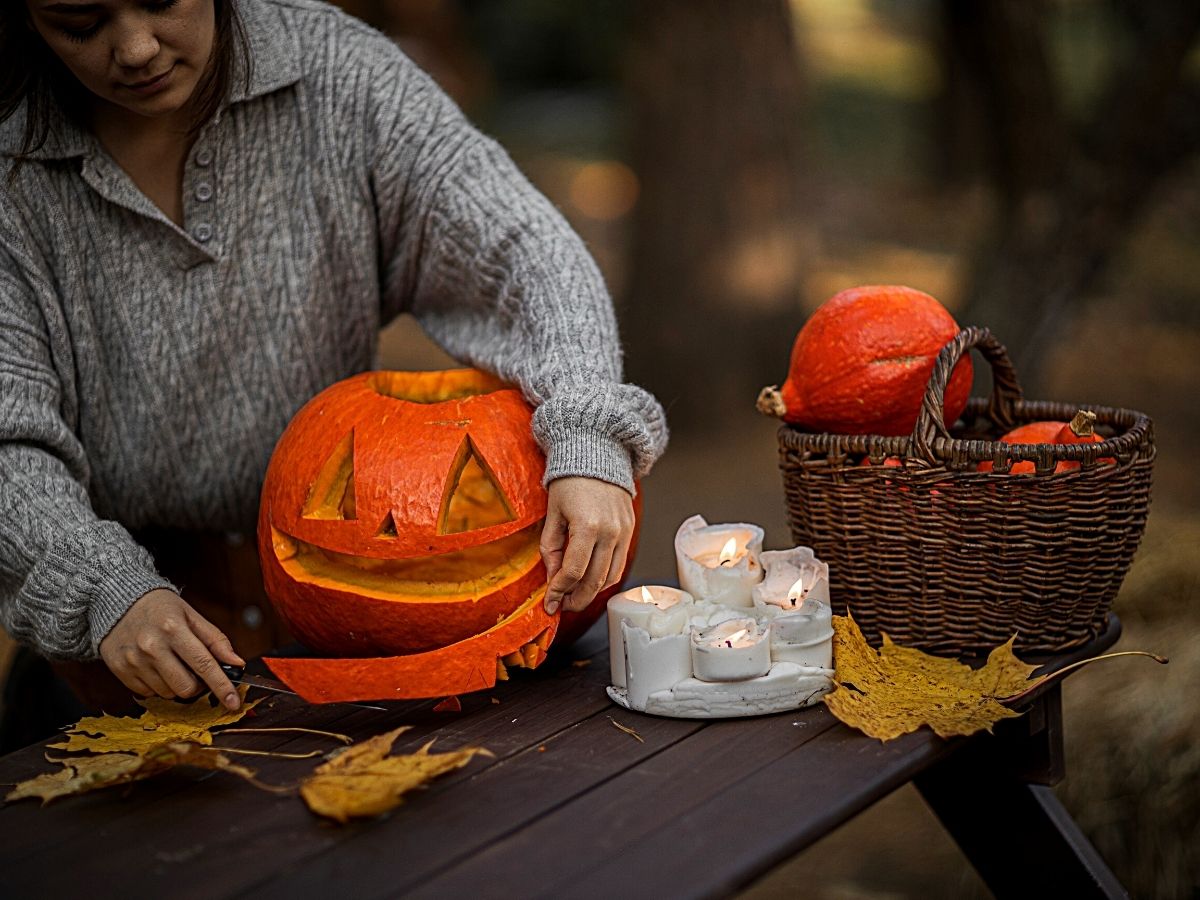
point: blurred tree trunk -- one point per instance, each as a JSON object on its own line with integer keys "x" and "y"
{"x": 1068, "y": 192}
{"x": 713, "y": 293}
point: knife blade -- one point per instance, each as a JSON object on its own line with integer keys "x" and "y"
{"x": 238, "y": 675}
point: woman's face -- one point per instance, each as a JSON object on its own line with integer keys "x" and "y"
{"x": 145, "y": 56}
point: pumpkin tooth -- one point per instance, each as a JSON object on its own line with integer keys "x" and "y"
{"x": 513, "y": 659}
{"x": 501, "y": 671}
{"x": 543, "y": 639}
{"x": 532, "y": 654}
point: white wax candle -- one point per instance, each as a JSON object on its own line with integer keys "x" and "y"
{"x": 791, "y": 577}
{"x": 658, "y": 609}
{"x": 653, "y": 664}
{"x": 710, "y": 576}
{"x": 804, "y": 637}
{"x": 732, "y": 651}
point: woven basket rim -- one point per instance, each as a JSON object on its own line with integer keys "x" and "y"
{"x": 1135, "y": 438}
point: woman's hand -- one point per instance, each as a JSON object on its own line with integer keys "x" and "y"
{"x": 161, "y": 641}
{"x": 589, "y": 525}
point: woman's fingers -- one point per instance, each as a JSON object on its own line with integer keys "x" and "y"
{"x": 617, "y": 567}
{"x": 575, "y": 560}
{"x": 214, "y": 639}
{"x": 593, "y": 579}
{"x": 192, "y": 651}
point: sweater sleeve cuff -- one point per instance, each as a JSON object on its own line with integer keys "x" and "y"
{"x": 96, "y": 573}
{"x": 117, "y": 589}
{"x": 588, "y": 454}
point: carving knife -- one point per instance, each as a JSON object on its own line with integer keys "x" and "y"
{"x": 238, "y": 675}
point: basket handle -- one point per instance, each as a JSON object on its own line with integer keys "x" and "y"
{"x": 1006, "y": 389}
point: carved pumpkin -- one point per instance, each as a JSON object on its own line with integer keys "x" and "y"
{"x": 861, "y": 363}
{"x": 399, "y": 527}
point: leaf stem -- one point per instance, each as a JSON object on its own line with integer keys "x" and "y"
{"x": 329, "y": 734}
{"x": 271, "y": 753}
{"x": 1046, "y": 679}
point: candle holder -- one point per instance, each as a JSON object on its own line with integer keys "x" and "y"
{"x": 748, "y": 634}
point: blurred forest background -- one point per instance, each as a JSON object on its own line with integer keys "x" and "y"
{"x": 1033, "y": 165}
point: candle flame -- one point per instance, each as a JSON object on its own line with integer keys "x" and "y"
{"x": 647, "y": 597}
{"x": 728, "y": 552}
{"x": 736, "y": 635}
{"x": 796, "y": 591}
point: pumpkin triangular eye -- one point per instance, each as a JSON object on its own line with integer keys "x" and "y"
{"x": 472, "y": 500}
{"x": 388, "y": 528}
{"x": 332, "y": 494}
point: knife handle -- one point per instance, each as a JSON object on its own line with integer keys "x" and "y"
{"x": 233, "y": 673}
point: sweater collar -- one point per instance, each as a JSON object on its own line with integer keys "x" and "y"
{"x": 274, "y": 64}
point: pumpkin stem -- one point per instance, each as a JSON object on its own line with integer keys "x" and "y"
{"x": 1083, "y": 425}
{"x": 770, "y": 402}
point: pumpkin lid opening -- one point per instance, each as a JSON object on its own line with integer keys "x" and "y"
{"x": 434, "y": 387}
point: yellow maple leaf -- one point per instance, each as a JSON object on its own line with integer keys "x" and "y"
{"x": 894, "y": 690}
{"x": 163, "y": 722}
{"x": 364, "y": 781}
{"x": 81, "y": 774}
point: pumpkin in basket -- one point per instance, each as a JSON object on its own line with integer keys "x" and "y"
{"x": 861, "y": 362}
{"x": 399, "y": 527}
{"x": 1080, "y": 430}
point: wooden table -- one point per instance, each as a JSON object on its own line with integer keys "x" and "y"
{"x": 570, "y": 806}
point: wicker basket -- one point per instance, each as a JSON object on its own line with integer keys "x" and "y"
{"x": 941, "y": 556}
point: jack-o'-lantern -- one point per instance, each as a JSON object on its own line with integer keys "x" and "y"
{"x": 399, "y": 528}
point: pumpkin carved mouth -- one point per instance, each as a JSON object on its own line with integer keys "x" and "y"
{"x": 464, "y": 575}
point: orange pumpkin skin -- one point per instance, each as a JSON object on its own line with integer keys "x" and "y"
{"x": 861, "y": 363}
{"x": 475, "y": 664}
{"x": 1031, "y": 433}
{"x": 401, "y": 512}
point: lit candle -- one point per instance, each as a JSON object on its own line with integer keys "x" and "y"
{"x": 732, "y": 651}
{"x": 719, "y": 563}
{"x": 653, "y": 664}
{"x": 804, "y": 637}
{"x": 791, "y": 577}
{"x": 657, "y": 609}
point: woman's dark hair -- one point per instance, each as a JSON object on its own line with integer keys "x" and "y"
{"x": 33, "y": 73}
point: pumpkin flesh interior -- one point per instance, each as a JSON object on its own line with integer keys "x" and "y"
{"x": 434, "y": 387}
{"x": 472, "y": 572}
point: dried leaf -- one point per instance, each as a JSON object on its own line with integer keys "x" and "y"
{"x": 78, "y": 776}
{"x": 88, "y": 773}
{"x": 625, "y": 728}
{"x": 364, "y": 781}
{"x": 581, "y": 663}
{"x": 163, "y": 722}
{"x": 889, "y": 692}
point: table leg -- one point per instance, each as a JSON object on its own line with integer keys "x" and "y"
{"x": 993, "y": 797}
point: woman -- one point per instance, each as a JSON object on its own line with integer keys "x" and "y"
{"x": 209, "y": 209}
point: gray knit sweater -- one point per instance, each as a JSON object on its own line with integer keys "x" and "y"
{"x": 146, "y": 370}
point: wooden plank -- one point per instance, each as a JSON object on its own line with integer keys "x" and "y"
{"x": 216, "y": 838}
{"x": 417, "y": 842}
{"x": 739, "y": 832}
{"x": 639, "y": 811}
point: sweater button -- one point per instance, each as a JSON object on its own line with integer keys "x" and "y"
{"x": 203, "y": 232}
{"x": 204, "y": 156}
{"x": 204, "y": 191}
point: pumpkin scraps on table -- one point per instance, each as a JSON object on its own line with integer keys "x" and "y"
{"x": 889, "y": 692}
{"x": 355, "y": 782}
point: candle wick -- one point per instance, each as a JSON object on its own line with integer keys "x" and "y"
{"x": 726, "y": 562}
